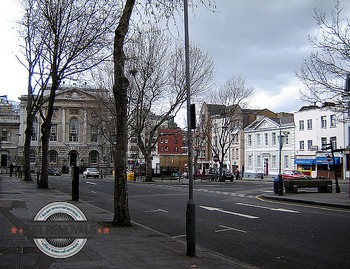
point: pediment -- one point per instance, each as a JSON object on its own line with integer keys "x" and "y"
{"x": 263, "y": 124}
{"x": 74, "y": 95}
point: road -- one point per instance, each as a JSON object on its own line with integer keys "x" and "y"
{"x": 232, "y": 220}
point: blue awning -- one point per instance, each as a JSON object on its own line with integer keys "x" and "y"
{"x": 323, "y": 160}
{"x": 304, "y": 161}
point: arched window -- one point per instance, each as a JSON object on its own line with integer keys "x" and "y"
{"x": 35, "y": 130}
{"x": 32, "y": 156}
{"x": 53, "y": 156}
{"x": 74, "y": 130}
{"x": 94, "y": 157}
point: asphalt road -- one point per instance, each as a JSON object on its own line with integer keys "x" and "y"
{"x": 232, "y": 220}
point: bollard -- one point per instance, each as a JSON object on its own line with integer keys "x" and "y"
{"x": 75, "y": 183}
{"x": 280, "y": 185}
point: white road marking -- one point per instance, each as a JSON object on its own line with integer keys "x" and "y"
{"x": 269, "y": 208}
{"x": 228, "y": 212}
{"x": 93, "y": 192}
{"x": 179, "y": 236}
{"x": 92, "y": 183}
{"x": 156, "y": 210}
{"x": 226, "y": 229}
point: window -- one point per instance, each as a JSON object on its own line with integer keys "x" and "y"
{"x": 53, "y": 156}
{"x": 32, "y": 156}
{"x": 4, "y": 136}
{"x": 73, "y": 130}
{"x": 334, "y": 142}
{"x": 286, "y": 161}
{"x": 250, "y": 160}
{"x": 323, "y": 142}
{"x": 323, "y": 122}
{"x": 301, "y": 145}
{"x": 166, "y": 141}
{"x": 309, "y": 124}
{"x": 266, "y": 139}
{"x": 274, "y": 140}
{"x": 94, "y": 157}
{"x": 258, "y": 140}
{"x": 250, "y": 140}
{"x": 274, "y": 161}
{"x": 35, "y": 130}
{"x": 301, "y": 125}
{"x": 333, "y": 122}
{"x": 53, "y": 136}
{"x": 309, "y": 144}
{"x": 176, "y": 149}
{"x": 286, "y": 139}
{"x": 237, "y": 154}
{"x": 258, "y": 161}
{"x": 94, "y": 134}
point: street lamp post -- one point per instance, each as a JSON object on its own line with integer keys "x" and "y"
{"x": 280, "y": 179}
{"x": 190, "y": 212}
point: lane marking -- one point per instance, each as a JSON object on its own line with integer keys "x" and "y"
{"x": 93, "y": 192}
{"x": 228, "y": 212}
{"x": 226, "y": 229}
{"x": 92, "y": 183}
{"x": 179, "y": 236}
{"x": 269, "y": 208}
{"x": 156, "y": 210}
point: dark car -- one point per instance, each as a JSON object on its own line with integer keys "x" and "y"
{"x": 226, "y": 174}
{"x": 53, "y": 172}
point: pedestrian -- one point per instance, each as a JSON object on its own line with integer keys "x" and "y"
{"x": 237, "y": 174}
{"x": 11, "y": 169}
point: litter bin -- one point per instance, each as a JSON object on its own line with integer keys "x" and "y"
{"x": 131, "y": 176}
{"x": 275, "y": 185}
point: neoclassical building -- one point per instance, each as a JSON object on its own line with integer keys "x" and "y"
{"x": 75, "y": 139}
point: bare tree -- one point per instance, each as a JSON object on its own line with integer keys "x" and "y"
{"x": 76, "y": 36}
{"x": 157, "y": 85}
{"x": 324, "y": 72}
{"x": 157, "y": 9}
{"x": 228, "y": 100}
{"x": 31, "y": 51}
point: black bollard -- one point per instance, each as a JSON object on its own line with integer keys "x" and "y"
{"x": 75, "y": 183}
{"x": 280, "y": 185}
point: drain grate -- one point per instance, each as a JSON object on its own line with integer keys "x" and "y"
{"x": 11, "y": 250}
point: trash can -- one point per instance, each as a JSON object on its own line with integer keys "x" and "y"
{"x": 131, "y": 176}
{"x": 275, "y": 185}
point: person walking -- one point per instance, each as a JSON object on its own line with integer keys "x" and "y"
{"x": 11, "y": 169}
{"x": 237, "y": 174}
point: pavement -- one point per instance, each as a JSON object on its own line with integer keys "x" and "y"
{"x": 109, "y": 247}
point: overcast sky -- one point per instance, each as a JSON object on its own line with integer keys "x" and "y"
{"x": 264, "y": 41}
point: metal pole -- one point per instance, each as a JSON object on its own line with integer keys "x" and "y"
{"x": 280, "y": 179}
{"x": 190, "y": 212}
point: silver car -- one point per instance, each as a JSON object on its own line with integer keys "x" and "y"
{"x": 91, "y": 172}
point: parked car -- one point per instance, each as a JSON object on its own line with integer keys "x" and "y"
{"x": 294, "y": 174}
{"x": 91, "y": 172}
{"x": 226, "y": 174}
{"x": 53, "y": 172}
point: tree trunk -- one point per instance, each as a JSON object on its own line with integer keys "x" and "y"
{"x": 28, "y": 137}
{"x": 44, "y": 178}
{"x": 148, "y": 161}
{"x": 121, "y": 84}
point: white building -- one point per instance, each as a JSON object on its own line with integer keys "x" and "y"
{"x": 263, "y": 154}
{"x": 315, "y": 128}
